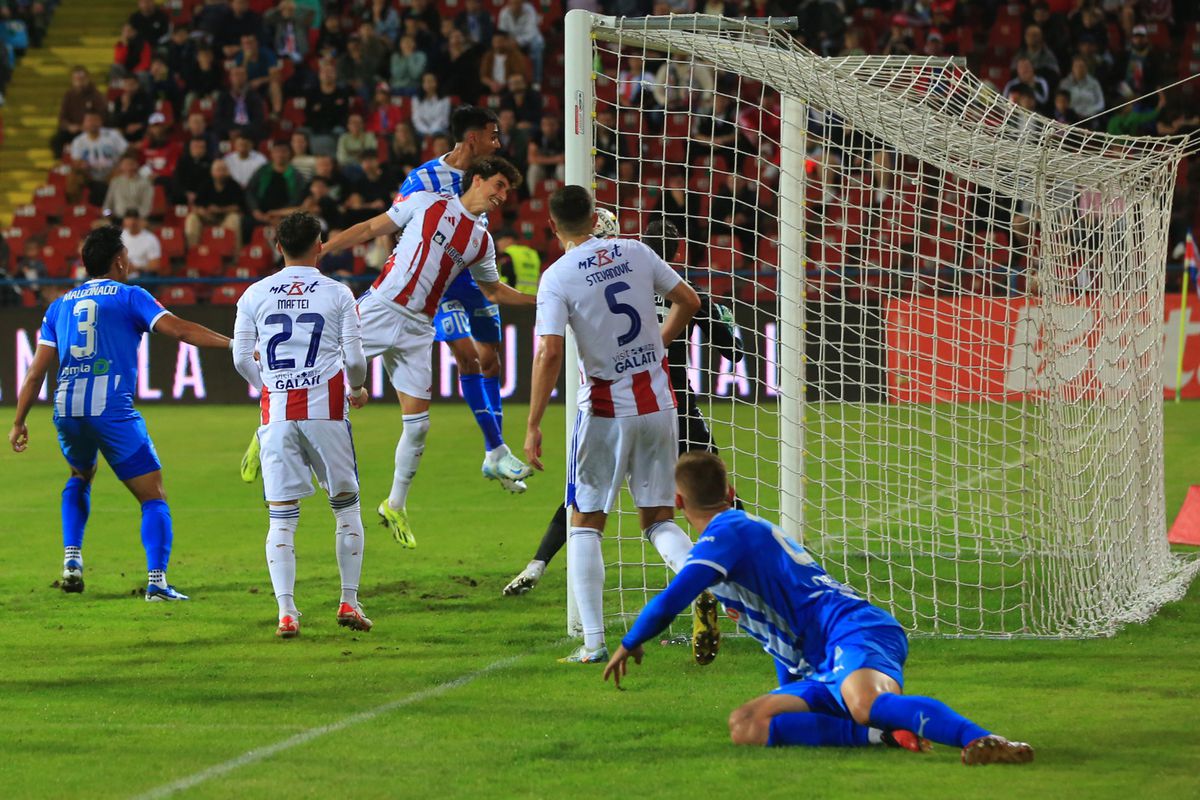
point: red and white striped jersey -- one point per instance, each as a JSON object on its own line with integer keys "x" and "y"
{"x": 305, "y": 328}
{"x": 604, "y": 289}
{"x": 440, "y": 239}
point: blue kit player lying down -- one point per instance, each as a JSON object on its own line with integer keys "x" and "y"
{"x": 92, "y": 334}
{"x": 839, "y": 659}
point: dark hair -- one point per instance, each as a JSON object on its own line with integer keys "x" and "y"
{"x": 487, "y": 167}
{"x": 100, "y": 248}
{"x": 471, "y": 118}
{"x": 662, "y": 237}
{"x": 298, "y": 234}
{"x": 572, "y": 209}
{"x": 131, "y": 213}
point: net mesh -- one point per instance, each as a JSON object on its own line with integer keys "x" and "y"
{"x": 950, "y": 310}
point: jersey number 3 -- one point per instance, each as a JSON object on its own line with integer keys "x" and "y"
{"x": 623, "y": 310}
{"x": 285, "y": 322}
{"x": 85, "y": 311}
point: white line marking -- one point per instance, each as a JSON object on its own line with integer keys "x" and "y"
{"x": 304, "y": 737}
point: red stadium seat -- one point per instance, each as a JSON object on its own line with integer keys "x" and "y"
{"x": 204, "y": 105}
{"x": 57, "y": 176}
{"x": 79, "y": 218}
{"x": 256, "y": 256}
{"x": 172, "y": 241}
{"x": 220, "y": 240}
{"x": 56, "y": 261}
{"x": 203, "y": 262}
{"x": 228, "y": 294}
{"x": 28, "y": 218}
{"x": 49, "y": 202}
{"x": 179, "y": 296}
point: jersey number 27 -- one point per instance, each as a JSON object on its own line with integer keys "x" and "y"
{"x": 285, "y": 322}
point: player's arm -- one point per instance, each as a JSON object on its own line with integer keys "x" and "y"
{"x": 245, "y": 338}
{"x": 718, "y": 328}
{"x": 684, "y": 305}
{"x": 190, "y": 332}
{"x": 379, "y": 225}
{"x": 44, "y": 358}
{"x": 353, "y": 357}
{"x": 503, "y": 294}
{"x": 547, "y": 364}
{"x": 657, "y": 615}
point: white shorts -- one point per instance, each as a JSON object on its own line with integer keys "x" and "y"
{"x": 609, "y": 450}
{"x": 294, "y": 450}
{"x": 405, "y": 343}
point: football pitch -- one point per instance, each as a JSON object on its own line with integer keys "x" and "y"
{"x": 456, "y": 692}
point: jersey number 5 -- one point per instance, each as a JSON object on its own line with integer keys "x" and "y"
{"x": 623, "y": 310}
{"x": 285, "y": 322}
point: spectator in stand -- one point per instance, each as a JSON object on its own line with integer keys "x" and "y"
{"x": 546, "y": 153}
{"x": 150, "y": 22}
{"x": 179, "y": 50}
{"x": 219, "y": 201}
{"x": 375, "y": 50}
{"x": 143, "y": 247}
{"x": 503, "y": 59}
{"x": 328, "y": 106}
{"x": 242, "y": 21}
{"x": 240, "y": 107}
{"x": 209, "y": 17}
{"x": 165, "y": 87}
{"x": 408, "y": 65}
{"x": 82, "y": 97}
{"x": 524, "y": 102}
{"x": 275, "y": 189}
{"x": 131, "y": 109}
{"x": 331, "y": 41}
{"x": 899, "y": 40}
{"x": 353, "y": 144}
{"x": 191, "y": 171}
{"x": 1088, "y": 20}
{"x": 370, "y": 193}
{"x": 514, "y": 141}
{"x": 160, "y": 150}
{"x": 1035, "y": 83}
{"x": 128, "y": 190}
{"x": 607, "y": 145}
{"x": 1138, "y": 71}
{"x": 715, "y": 133}
{"x": 131, "y": 54}
{"x": 384, "y": 18}
{"x": 302, "y": 158}
{"x": 431, "y": 111}
{"x": 633, "y": 82}
{"x": 1045, "y": 63}
{"x": 520, "y": 20}
{"x": 31, "y": 267}
{"x": 326, "y": 170}
{"x": 460, "y": 67}
{"x": 674, "y": 85}
{"x": 243, "y": 160}
{"x": 94, "y": 153}
{"x": 1054, "y": 27}
{"x": 287, "y": 30}
{"x": 404, "y": 152}
{"x": 258, "y": 61}
{"x": 321, "y": 204}
{"x": 383, "y": 117}
{"x": 196, "y": 127}
{"x": 1062, "y": 109}
{"x": 204, "y": 78}
{"x": 420, "y": 19}
{"x": 476, "y": 22}
{"x": 353, "y": 71}
{"x": 1133, "y": 121}
{"x": 1087, "y": 96}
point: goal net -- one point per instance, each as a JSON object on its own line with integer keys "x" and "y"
{"x": 951, "y": 312}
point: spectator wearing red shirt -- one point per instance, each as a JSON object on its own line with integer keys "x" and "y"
{"x": 132, "y": 53}
{"x": 384, "y": 117}
{"x": 160, "y": 150}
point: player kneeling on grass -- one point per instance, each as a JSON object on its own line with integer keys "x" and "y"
{"x": 93, "y": 331}
{"x": 839, "y": 659}
{"x": 313, "y": 348}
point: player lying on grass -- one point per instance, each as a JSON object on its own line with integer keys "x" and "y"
{"x": 93, "y": 332}
{"x": 313, "y": 350}
{"x": 839, "y": 659}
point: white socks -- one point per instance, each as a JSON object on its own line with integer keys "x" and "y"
{"x": 281, "y": 556}
{"x": 408, "y": 456}
{"x": 348, "y": 538}
{"x": 671, "y": 543}
{"x": 585, "y": 573}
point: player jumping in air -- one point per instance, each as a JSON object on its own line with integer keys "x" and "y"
{"x": 446, "y": 236}
{"x": 93, "y": 332}
{"x": 313, "y": 349}
{"x": 838, "y": 658}
{"x": 625, "y": 427}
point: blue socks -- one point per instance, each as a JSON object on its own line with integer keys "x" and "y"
{"x": 925, "y": 717}
{"x": 810, "y": 729}
{"x": 156, "y": 534}
{"x": 473, "y": 393}
{"x": 491, "y": 388}
{"x": 76, "y": 505}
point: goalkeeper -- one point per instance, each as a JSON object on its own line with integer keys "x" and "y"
{"x": 838, "y": 658}
{"x": 716, "y": 328}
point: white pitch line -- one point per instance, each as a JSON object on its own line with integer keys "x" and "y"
{"x": 304, "y": 737}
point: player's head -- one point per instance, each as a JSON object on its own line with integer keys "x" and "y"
{"x": 104, "y": 253}
{"x": 702, "y": 483}
{"x": 477, "y": 129}
{"x": 572, "y": 212}
{"x": 488, "y": 181}
{"x": 298, "y": 238}
{"x": 662, "y": 237}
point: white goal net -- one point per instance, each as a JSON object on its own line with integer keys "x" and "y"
{"x": 951, "y": 312}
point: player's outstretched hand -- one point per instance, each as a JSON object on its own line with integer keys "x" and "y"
{"x": 618, "y": 665}
{"x": 533, "y": 447}
{"x": 18, "y": 437}
{"x": 359, "y": 399}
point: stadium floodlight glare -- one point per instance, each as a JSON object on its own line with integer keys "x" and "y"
{"x": 952, "y": 309}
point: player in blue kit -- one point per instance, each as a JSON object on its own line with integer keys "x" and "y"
{"x": 839, "y": 659}
{"x": 93, "y": 332}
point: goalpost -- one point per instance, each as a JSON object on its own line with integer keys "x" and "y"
{"x": 951, "y": 310}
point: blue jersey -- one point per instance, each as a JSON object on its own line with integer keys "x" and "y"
{"x": 434, "y": 175}
{"x": 778, "y": 593}
{"x": 96, "y": 329}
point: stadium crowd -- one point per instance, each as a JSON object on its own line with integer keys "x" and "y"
{"x": 222, "y": 116}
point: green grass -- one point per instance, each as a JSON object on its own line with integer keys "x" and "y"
{"x": 104, "y": 695}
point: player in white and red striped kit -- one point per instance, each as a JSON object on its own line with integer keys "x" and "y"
{"x": 311, "y": 348}
{"x": 443, "y": 235}
{"x": 626, "y": 425}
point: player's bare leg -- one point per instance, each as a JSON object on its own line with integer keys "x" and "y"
{"x": 781, "y": 720}
{"x": 411, "y": 447}
{"x": 76, "y": 506}
{"x": 585, "y": 575}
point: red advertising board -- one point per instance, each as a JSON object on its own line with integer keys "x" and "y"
{"x": 972, "y": 349}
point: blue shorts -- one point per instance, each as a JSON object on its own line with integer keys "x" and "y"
{"x": 464, "y": 311}
{"x": 883, "y": 648}
{"x": 124, "y": 442}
